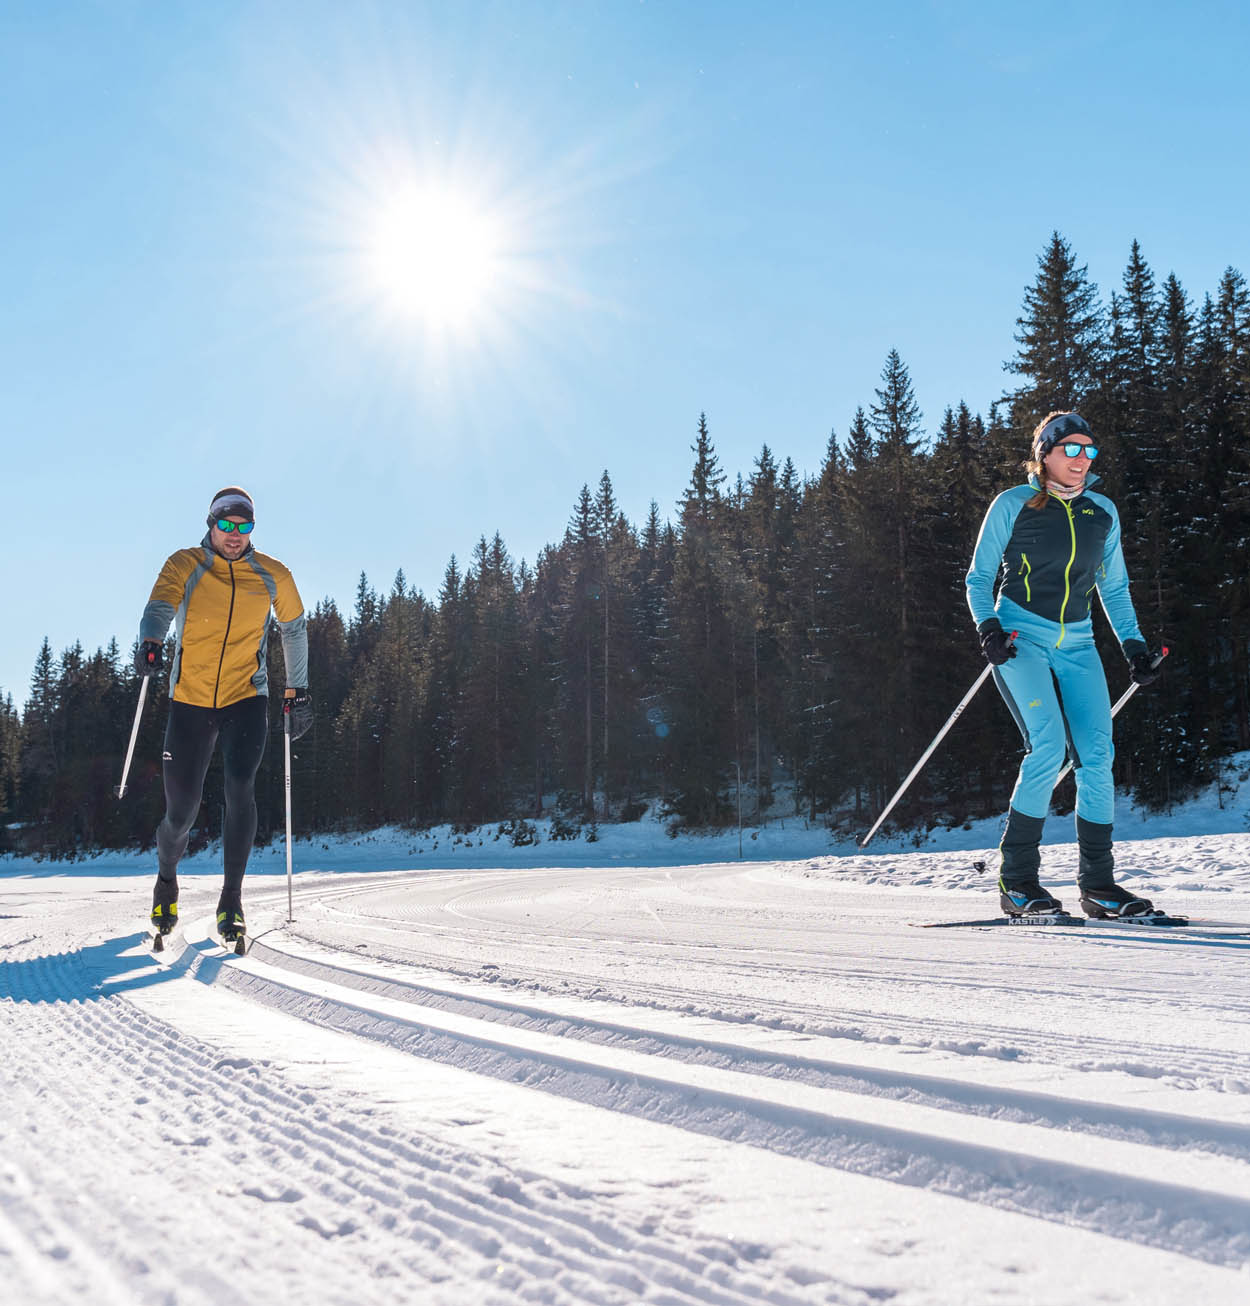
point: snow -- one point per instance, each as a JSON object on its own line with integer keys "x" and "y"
{"x": 636, "y": 1070}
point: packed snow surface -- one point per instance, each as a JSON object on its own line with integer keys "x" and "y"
{"x": 451, "y": 1081}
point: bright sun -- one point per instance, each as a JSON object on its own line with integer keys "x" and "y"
{"x": 435, "y": 255}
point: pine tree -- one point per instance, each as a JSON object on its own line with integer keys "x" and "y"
{"x": 40, "y": 762}
{"x": 1229, "y": 446}
{"x": 548, "y": 695}
{"x": 866, "y": 616}
{"x": 10, "y": 766}
{"x": 444, "y": 765}
{"x": 779, "y": 663}
{"x": 1060, "y": 338}
{"x": 495, "y": 673}
{"x": 582, "y": 644}
{"x": 622, "y": 626}
{"x": 698, "y": 672}
{"x": 1005, "y": 449}
{"x": 1144, "y": 477}
{"x": 964, "y": 465}
{"x": 702, "y": 495}
{"x": 397, "y": 676}
{"x": 859, "y": 446}
{"x": 824, "y": 754}
{"x": 363, "y": 632}
{"x": 896, "y": 529}
{"x": 611, "y": 587}
{"x": 759, "y": 576}
{"x": 329, "y": 676}
{"x": 657, "y": 551}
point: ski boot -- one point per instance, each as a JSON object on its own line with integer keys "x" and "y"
{"x": 230, "y": 924}
{"x": 1029, "y": 900}
{"x": 164, "y": 910}
{"x": 1114, "y": 902}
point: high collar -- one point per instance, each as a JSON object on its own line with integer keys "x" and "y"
{"x": 207, "y": 543}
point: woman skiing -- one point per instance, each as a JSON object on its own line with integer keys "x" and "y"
{"x": 1054, "y": 541}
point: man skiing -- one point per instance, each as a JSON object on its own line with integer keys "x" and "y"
{"x": 222, "y": 598}
{"x": 1054, "y": 541}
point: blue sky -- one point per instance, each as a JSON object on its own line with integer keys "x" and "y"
{"x": 673, "y": 208}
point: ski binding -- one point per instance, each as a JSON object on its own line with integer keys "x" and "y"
{"x": 1153, "y": 918}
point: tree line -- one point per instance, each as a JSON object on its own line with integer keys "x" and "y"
{"x": 781, "y": 640}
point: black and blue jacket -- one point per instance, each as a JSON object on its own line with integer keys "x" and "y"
{"x": 1051, "y": 560}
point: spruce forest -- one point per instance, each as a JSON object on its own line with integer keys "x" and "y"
{"x": 793, "y": 644}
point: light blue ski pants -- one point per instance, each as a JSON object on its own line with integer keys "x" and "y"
{"x": 1078, "y": 714}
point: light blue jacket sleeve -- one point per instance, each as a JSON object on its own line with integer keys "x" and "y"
{"x": 295, "y": 650}
{"x": 1113, "y": 590}
{"x": 987, "y": 557}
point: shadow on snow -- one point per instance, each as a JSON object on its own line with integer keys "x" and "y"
{"x": 104, "y": 969}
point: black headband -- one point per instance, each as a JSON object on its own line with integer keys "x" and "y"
{"x": 1056, "y": 429}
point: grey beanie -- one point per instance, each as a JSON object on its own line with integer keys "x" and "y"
{"x": 233, "y": 501}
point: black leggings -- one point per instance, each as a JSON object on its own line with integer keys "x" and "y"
{"x": 190, "y": 737}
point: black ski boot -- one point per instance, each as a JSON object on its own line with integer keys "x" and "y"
{"x": 1112, "y": 902}
{"x": 230, "y": 922}
{"x": 1028, "y": 899}
{"x": 1101, "y": 897}
{"x": 165, "y": 904}
{"x": 1020, "y": 860}
{"x": 1097, "y": 862}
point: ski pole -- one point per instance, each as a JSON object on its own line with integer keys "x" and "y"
{"x": 120, "y": 791}
{"x": 941, "y": 734}
{"x": 286, "y": 730}
{"x": 1119, "y": 703}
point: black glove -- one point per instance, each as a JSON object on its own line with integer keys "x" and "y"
{"x": 1143, "y": 669}
{"x": 996, "y": 646}
{"x": 149, "y": 657}
{"x": 301, "y": 711}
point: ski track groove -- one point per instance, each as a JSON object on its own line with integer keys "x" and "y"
{"x": 1203, "y": 1068}
{"x": 965, "y": 1096}
{"x": 519, "y": 1230}
{"x": 1207, "y": 1226}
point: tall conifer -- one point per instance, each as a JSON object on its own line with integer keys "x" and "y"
{"x": 1059, "y": 336}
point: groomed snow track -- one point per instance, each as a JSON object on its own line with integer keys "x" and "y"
{"x": 540, "y": 1086}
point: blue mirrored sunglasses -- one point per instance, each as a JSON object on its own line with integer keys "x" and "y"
{"x": 1073, "y": 449}
{"x": 243, "y": 527}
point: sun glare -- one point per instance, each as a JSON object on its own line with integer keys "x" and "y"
{"x": 435, "y": 255}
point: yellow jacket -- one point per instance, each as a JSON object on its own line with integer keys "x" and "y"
{"x": 222, "y": 612}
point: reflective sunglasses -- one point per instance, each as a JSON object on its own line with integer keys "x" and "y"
{"x": 245, "y": 527}
{"x": 1073, "y": 449}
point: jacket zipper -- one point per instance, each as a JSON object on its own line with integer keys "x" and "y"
{"x": 1067, "y": 571}
{"x": 1026, "y": 571}
{"x": 226, "y": 638}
